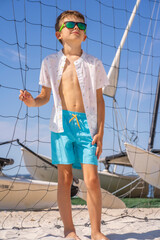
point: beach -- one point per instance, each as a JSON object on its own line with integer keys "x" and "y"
{"x": 117, "y": 224}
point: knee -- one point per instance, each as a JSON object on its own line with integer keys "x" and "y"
{"x": 65, "y": 179}
{"x": 92, "y": 182}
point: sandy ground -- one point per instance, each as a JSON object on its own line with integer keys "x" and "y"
{"x": 143, "y": 224}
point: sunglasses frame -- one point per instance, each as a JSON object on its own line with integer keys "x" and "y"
{"x": 76, "y": 23}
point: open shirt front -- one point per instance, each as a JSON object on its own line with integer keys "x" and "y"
{"x": 91, "y": 76}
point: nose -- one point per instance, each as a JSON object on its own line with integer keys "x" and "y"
{"x": 76, "y": 27}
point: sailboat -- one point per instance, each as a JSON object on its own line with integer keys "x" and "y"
{"x": 109, "y": 181}
{"x": 118, "y": 184}
{"x": 39, "y": 192}
{"x": 146, "y": 163}
{"x": 42, "y": 193}
{"x": 25, "y": 194}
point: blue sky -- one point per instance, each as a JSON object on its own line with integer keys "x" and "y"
{"x": 34, "y": 32}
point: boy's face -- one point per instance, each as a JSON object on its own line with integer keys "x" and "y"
{"x": 74, "y": 35}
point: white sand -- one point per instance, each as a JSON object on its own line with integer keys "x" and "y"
{"x": 128, "y": 224}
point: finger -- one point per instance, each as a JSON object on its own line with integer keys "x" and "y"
{"x": 94, "y": 140}
{"x": 20, "y": 95}
{"x": 99, "y": 154}
{"x": 26, "y": 94}
{"x": 97, "y": 150}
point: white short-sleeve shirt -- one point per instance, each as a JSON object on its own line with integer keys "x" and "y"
{"x": 91, "y": 76}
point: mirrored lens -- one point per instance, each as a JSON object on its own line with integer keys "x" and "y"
{"x": 70, "y": 24}
{"x": 81, "y": 26}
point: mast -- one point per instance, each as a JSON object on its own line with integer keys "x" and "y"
{"x": 114, "y": 69}
{"x": 155, "y": 114}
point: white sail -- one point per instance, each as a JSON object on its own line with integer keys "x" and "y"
{"x": 114, "y": 69}
{"x": 145, "y": 163}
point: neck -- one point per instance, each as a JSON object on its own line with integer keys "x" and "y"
{"x": 72, "y": 50}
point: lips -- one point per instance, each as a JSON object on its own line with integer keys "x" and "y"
{"x": 75, "y": 32}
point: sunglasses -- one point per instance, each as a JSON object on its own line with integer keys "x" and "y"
{"x": 71, "y": 25}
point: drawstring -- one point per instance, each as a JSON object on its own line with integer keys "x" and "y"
{"x": 75, "y": 116}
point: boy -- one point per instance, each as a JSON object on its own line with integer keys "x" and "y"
{"x": 77, "y": 119}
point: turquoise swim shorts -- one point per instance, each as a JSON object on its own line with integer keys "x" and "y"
{"x": 74, "y": 145}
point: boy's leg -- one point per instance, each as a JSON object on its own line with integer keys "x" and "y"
{"x": 94, "y": 200}
{"x": 65, "y": 179}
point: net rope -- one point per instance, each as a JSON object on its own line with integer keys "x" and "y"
{"x": 26, "y": 38}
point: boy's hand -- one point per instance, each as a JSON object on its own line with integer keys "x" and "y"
{"x": 98, "y": 139}
{"x": 27, "y": 98}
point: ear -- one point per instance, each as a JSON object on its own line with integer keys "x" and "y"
{"x": 85, "y": 36}
{"x": 58, "y": 35}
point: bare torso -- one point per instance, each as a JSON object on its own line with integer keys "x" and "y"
{"x": 69, "y": 89}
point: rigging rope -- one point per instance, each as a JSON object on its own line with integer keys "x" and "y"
{"x": 141, "y": 59}
{"x": 29, "y": 67}
{"x": 147, "y": 65}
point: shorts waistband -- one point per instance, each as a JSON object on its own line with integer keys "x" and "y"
{"x": 78, "y": 114}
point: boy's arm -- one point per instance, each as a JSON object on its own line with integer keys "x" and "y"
{"x": 98, "y": 138}
{"x": 40, "y": 100}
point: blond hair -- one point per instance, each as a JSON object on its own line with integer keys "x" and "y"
{"x": 66, "y": 14}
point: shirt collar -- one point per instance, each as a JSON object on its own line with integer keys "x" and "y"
{"x": 79, "y": 60}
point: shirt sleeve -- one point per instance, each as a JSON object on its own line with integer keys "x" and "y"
{"x": 44, "y": 78}
{"x": 101, "y": 76}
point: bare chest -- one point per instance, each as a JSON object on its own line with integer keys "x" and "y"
{"x": 69, "y": 89}
{"x": 69, "y": 76}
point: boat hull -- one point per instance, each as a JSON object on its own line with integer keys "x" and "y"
{"x": 111, "y": 182}
{"x": 26, "y": 194}
{"x": 108, "y": 200}
{"x": 145, "y": 163}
